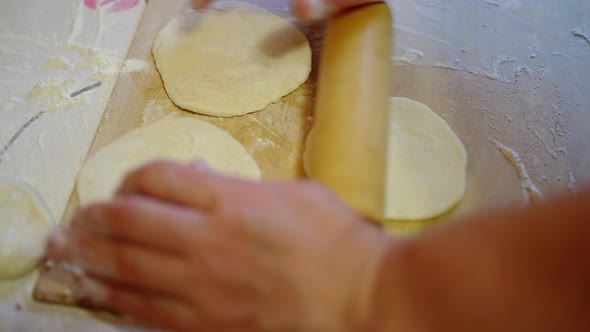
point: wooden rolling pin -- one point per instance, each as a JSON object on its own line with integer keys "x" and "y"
{"x": 347, "y": 145}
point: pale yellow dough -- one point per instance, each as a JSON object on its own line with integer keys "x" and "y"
{"x": 24, "y": 227}
{"x": 181, "y": 139}
{"x": 231, "y": 60}
{"x": 426, "y": 163}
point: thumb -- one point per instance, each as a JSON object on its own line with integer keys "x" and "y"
{"x": 315, "y": 10}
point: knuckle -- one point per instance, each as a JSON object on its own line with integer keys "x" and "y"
{"x": 231, "y": 217}
{"x": 117, "y": 300}
{"x": 120, "y": 213}
{"x": 82, "y": 218}
{"x": 146, "y": 172}
{"x": 186, "y": 277}
{"x": 309, "y": 190}
{"x": 159, "y": 165}
{"x": 314, "y": 186}
{"x": 86, "y": 248}
{"x": 149, "y": 308}
{"x": 311, "y": 196}
{"x": 132, "y": 304}
{"x": 92, "y": 211}
{"x": 187, "y": 321}
{"x": 213, "y": 195}
{"x": 119, "y": 210}
{"x": 125, "y": 263}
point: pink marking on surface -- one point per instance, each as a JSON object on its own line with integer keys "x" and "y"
{"x": 90, "y": 4}
{"x": 116, "y": 5}
{"x": 121, "y": 5}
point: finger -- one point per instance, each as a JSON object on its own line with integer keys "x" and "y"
{"x": 173, "y": 182}
{"x": 121, "y": 262}
{"x": 179, "y": 183}
{"x": 160, "y": 311}
{"x": 199, "y": 4}
{"x": 315, "y": 10}
{"x": 141, "y": 220}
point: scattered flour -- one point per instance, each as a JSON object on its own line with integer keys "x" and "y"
{"x": 55, "y": 63}
{"x": 153, "y": 111}
{"x": 101, "y": 61}
{"x": 571, "y": 180}
{"x": 261, "y": 143}
{"x": 409, "y": 56}
{"x": 135, "y": 65}
{"x": 529, "y": 190}
{"x": 54, "y": 95}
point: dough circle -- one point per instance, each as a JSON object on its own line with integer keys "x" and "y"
{"x": 232, "y": 60}
{"x": 182, "y": 139}
{"x": 25, "y": 225}
{"x": 426, "y": 163}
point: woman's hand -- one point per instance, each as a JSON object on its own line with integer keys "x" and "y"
{"x": 183, "y": 248}
{"x": 307, "y": 10}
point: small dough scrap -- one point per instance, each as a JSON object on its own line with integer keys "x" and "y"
{"x": 426, "y": 163}
{"x": 182, "y": 139}
{"x": 231, "y": 60}
{"x": 25, "y": 225}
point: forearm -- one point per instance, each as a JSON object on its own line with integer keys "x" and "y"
{"x": 521, "y": 270}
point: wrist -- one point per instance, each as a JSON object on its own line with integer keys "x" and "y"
{"x": 372, "y": 251}
{"x": 387, "y": 311}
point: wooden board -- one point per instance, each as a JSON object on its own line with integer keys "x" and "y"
{"x": 274, "y": 136}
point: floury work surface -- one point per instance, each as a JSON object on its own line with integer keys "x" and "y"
{"x": 510, "y": 77}
{"x": 59, "y": 62}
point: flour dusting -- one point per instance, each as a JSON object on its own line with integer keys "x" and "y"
{"x": 409, "y": 56}
{"x": 153, "y": 111}
{"x": 529, "y": 190}
{"x": 54, "y": 95}
{"x": 135, "y": 65}
{"x": 571, "y": 180}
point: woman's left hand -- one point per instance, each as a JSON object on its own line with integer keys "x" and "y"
{"x": 183, "y": 248}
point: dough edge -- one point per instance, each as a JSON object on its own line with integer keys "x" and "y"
{"x": 447, "y": 202}
{"x": 167, "y": 33}
{"x": 18, "y": 265}
{"x": 95, "y": 165}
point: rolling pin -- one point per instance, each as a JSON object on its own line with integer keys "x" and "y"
{"x": 347, "y": 144}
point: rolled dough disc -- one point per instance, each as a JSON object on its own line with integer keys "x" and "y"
{"x": 181, "y": 139}
{"x": 426, "y": 163}
{"x": 231, "y": 60}
{"x": 24, "y": 227}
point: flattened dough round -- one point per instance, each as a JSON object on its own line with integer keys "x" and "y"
{"x": 232, "y": 60}
{"x": 426, "y": 163}
{"x": 25, "y": 225}
{"x": 181, "y": 139}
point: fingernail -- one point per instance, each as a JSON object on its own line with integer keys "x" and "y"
{"x": 57, "y": 239}
{"x": 198, "y": 4}
{"x": 96, "y": 213}
{"x": 316, "y": 10}
{"x": 189, "y": 6}
{"x": 93, "y": 290}
{"x": 73, "y": 268}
